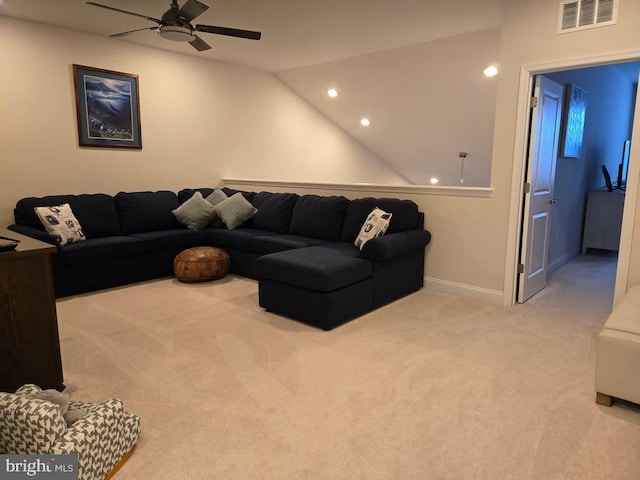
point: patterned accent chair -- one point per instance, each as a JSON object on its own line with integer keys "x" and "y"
{"x": 103, "y": 439}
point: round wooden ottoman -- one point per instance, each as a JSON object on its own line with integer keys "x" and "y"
{"x": 199, "y": 264}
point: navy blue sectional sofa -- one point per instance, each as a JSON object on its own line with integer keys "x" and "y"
{"x": 300, "y": 248}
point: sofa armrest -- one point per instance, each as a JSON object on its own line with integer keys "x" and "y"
{"x": 394, "y": 245}
{"x": 33, "y": 233}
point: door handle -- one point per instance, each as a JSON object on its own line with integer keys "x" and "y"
{"x": 552, "y": 201}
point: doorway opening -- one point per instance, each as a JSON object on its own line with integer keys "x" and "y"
{"x": 610, "y": 114}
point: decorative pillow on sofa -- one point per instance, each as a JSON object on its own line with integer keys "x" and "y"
{"x": 60, "y": 223}
{"x": 216, "y": 197}
{"x": 234, "y": 211}
{"x": 195, "y": 213}
{"x": 374, "y": 226}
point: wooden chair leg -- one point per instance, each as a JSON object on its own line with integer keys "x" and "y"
{"x": 603, "y": 399}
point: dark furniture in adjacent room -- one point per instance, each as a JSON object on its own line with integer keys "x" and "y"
{"x": 603, "y": 220}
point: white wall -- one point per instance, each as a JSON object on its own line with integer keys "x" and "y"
{"x": 201, "y": 121}
{"x": 427, "y": 102}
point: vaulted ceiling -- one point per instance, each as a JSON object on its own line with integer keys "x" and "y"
{"x": 295, "y": 33}
{"x": 390, "y": 59}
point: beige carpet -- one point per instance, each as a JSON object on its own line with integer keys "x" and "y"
{"x": 431, "y": 387}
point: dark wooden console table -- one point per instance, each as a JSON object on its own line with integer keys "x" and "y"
{"x": 29, "y": 342}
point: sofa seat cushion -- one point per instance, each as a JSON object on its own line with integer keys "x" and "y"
{"x": 316, "y": 268}
{"x": 279, "y": 243}
{"x": 172, "y": 239}
{"x": 95, "y": 250}
{"x": 343, "y": 248}
{"x": 237, "y": 239}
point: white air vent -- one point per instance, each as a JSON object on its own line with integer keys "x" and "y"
{"x": 583, "y": 14}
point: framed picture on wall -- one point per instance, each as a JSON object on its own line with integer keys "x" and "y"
{"x": 108, "y": 108}
{"x": 573, "y": 125}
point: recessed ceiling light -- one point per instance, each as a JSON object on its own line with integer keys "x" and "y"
{"x": 365, "y": 122}
{"x": 491, "y": 71}
{"x": 332, "y": 92}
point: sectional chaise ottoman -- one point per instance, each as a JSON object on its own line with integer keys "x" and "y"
{"x": 300, "y": 248}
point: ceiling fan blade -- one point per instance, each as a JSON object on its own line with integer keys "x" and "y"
{"x": 231, "y": 32}
{"x": 199, "y": 44}
{"x": 124, "y": 34}
{"x": 159, "y": 22}
{"x": 192, "y": 9}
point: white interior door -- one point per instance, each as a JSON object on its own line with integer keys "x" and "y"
{"x": 546, "y": 115}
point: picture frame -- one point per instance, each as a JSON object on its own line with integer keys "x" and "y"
{"x": 573, "y": 124}
{"x": 108, "y": 108}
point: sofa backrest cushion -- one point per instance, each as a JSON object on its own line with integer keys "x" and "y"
{"x": 142, "y": 212}
{"x": 230, "y": 192}
{"x": 96, "y": 212}
{"x": 404, "y": 215}
{"x": 274, "y": 211}
{"x": 24, "y": 213}
{"x": 186, "y": 193}
{"x": 319, "y": 217}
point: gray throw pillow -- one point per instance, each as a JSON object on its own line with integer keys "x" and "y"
{"x": 234, "y": 211}
{"x": 195, "y": 213}
{"x": 216, "y": 197}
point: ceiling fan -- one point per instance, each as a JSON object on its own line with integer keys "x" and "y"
{"x": 175, "y": 24}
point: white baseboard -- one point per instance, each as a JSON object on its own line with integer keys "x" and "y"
{"x": 462, "y": 290}
{"x": 558, "y": 262}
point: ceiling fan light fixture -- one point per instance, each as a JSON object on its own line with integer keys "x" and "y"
{"x": 175, "y": 24}
{"x": 176, "y": 33}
